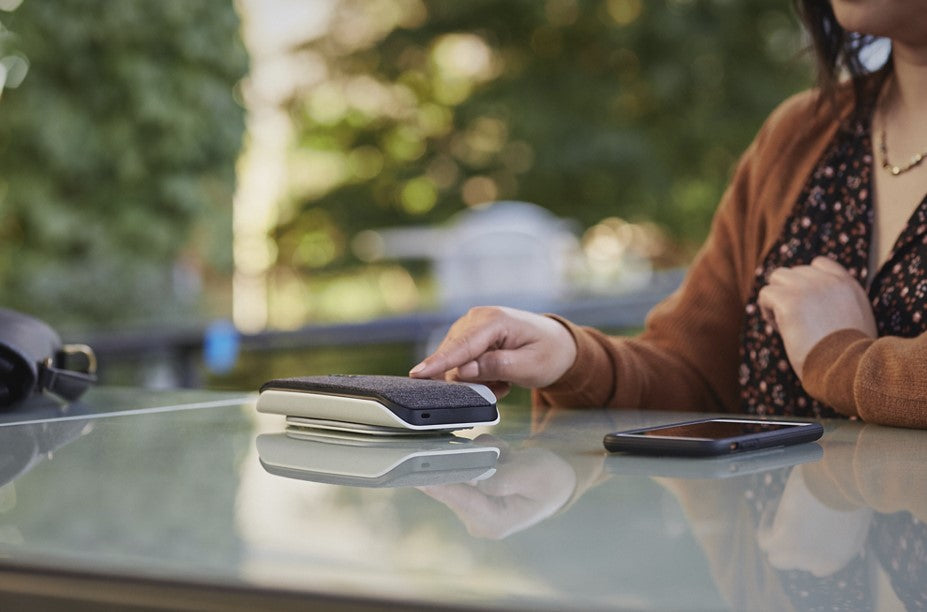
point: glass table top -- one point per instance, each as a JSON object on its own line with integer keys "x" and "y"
{"x": 199, "y": 487}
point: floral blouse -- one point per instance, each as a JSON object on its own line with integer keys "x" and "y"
{"x": 834, "y": 217}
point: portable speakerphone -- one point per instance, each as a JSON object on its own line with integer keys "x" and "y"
{"x": 378, "y": 405}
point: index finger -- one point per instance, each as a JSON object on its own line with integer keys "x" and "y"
{"x": 459, "y": 347}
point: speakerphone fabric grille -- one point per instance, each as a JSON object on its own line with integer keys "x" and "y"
{"x": 412, "y": 393}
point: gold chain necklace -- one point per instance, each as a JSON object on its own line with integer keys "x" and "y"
{"x": 894, "y": 170}
{"x": 914, "y": 162}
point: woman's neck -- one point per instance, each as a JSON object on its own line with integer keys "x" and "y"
{"x": 902, "y": 117}
{"x": 910, "y": 86}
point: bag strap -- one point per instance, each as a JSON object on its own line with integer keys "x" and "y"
{"x": 55, "y": 376}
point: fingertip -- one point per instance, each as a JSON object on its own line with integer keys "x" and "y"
{"x": 426, "y": 369}
{"x": 418, "y": 369}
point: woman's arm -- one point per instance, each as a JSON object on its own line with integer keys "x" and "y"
{"x": 807, "y": 303}
{"x": 688, "y": 355}
{"x": 882, "y": 381}
{"x": 829, "y": 333}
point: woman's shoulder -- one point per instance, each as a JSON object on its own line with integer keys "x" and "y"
{"x": 809, "y": 113}
{"x": 786, "y": 150}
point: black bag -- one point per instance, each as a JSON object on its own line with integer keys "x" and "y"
{"x": 32, "y": 360}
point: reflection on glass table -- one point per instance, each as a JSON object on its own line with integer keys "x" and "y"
{"x": 370, "y": 461}
{"x": 845, "y": 533}
{"x": 727, "y": 466}
{"x": 529, "y": 485}
{"x": 158, "y": 490}
{"x": 838, "y": 525}
{"x": 117, "y": 483}
{"x": 41, "y": 408}
{"x": 22, "y": 448}
{"x": 102, "y": 402}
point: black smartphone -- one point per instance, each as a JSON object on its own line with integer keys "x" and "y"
{"x": 712, "y": 437}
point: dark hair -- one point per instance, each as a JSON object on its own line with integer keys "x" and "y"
{"x": 836, "y": 50}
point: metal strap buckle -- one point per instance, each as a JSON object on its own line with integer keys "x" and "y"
{"x": 71, "y": 350}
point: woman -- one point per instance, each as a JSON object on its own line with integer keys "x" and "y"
{"x": 809, "y": 296}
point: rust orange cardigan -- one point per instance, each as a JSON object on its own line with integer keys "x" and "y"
{"x": 688, "y": 355}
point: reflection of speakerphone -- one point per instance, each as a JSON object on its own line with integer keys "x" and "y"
{"x": 365, "y": 461}
{"x": 725, "y": 466}
{"x": 378, "y": 405}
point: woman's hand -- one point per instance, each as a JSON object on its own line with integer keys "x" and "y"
{"x": 500, "y": 347}
{"x": 806, "y": 303}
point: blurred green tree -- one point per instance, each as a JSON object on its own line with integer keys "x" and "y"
{"x": 590, "y": 108}
{"x": 118, "y": 153}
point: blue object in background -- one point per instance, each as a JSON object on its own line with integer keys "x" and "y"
{"x": 221, "y": 344}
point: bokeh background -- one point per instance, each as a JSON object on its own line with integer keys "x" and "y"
{"x": 203, "y": 177}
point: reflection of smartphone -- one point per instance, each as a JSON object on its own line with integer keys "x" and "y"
{"x": 708, "y": 437}
{"x": 725, "y": 466}
{"x": 364, "y": 461}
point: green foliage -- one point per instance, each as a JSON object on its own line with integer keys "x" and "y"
{"x": 591, "y": 108}
{"x": 118, "y": 153}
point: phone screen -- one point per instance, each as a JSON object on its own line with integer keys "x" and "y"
{"x": 714, "y": 430}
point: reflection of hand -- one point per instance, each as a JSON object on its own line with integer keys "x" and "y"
{"x": 807, "y": 303}
{"x": 529, "y": 485}
{"x": 500, "y": 347}
{"x": 807, "y": 535}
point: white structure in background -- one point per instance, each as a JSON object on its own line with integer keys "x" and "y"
{"x": 504, "y": 253}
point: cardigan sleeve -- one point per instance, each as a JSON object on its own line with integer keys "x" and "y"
{"x": 882, "y": 381}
